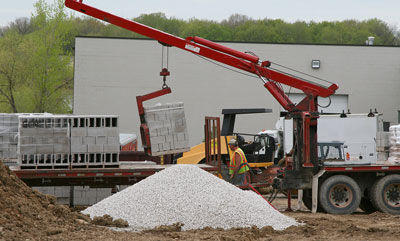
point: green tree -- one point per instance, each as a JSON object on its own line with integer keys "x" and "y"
{"x": 13, "y": 73}
{"x": 50, "y": 66}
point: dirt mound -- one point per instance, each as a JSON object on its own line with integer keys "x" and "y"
{"x": 28, "y": 214}
{"x": 108, "y": 221}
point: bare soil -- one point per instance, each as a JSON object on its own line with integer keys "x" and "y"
{"x": 29, "y": 215}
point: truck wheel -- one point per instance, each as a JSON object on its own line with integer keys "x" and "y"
{"x": 367, "y": 206}
{"x": 307, "y": 200}
{"x": 339, "y": 194}
{"x": 385, "y": 194}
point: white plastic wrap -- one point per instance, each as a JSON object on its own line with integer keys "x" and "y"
{"x": 394, "y": 139}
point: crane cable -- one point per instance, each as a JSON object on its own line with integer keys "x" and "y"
{"x": 259, "y": 76}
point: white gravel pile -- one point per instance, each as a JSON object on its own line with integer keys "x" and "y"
{"x": 193, "y": 197}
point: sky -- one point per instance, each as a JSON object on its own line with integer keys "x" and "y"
{"x": 288, "y": 10}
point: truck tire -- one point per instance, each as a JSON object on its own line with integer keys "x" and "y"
{"x": 367, "y": 206}
{"x": 339, "y": 194}
{"x": 307, "y": 200}
{"x": 385, "y": 194}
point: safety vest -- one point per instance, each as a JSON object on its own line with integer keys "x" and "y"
{"x": 232, "y": 164}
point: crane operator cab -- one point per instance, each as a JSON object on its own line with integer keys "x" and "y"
{"x": 261, "y": 149}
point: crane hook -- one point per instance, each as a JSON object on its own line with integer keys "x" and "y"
{"x": 164, "y": 73}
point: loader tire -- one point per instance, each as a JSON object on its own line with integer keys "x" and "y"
{"x": 385, "y": 194}
{"x": 340, "y": 194}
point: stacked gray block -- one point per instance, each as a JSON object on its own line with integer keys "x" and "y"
{"x": 167, "y": 127}
{"x": 85, "y": 195}
{"x": 94, "y": 141}
{"x": 8, "y": 137}
{"x": 43, "y": 141}
{"x": 59, "y": 141}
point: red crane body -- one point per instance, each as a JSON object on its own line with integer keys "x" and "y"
{"x": 305, "y": 113}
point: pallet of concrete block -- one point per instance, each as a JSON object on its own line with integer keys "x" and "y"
{"x": 94, "y": 141}
{"x": 43, "y": 141}
{"x": 167, "y": 127}
{"x": 8, "y": 138}
{"x": 394, "y": 139}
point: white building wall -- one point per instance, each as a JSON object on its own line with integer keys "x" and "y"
{"x": 110, "y": 73}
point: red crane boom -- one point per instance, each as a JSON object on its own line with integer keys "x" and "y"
{"x": 305, "y": 113}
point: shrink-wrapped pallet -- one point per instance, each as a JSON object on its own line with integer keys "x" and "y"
{"x": 394, "y": 139}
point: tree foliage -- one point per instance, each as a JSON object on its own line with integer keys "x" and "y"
{"x": 35, "y": 64}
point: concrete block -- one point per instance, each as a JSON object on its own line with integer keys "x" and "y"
{"x": 153, "y": 132}
{"x": 58, "y": 191}
{"x": 179, "y": 137}
{"x": 95, "y": 148}
{"x": 60, "y": 132}
{"x": 111, "y": 148}
{"x": 27, "y": 149}
{"x": 76, "y": 140}
{"x": 163, "y": 131}
{"x": 111, "y": 131}
{"x": 38, "y": 140}
{"x": 13, "y": 155}
{"x": 81, "y": 201}
{"x": 149, "y": 116}
{"x": 157, "y": 140}
{"x": 12, "y": 148}
{"x": 155, "y": 148}
{"x": 166, "y": 146}
{"x": 27, "y": 132}
{"x": 26, "y": 140}
{"x": 176, "y": 105}
{"x": 79, "y": 131}
{"x": 44, "y": 132}
{"x": 44, "y": 140}
{"x": 169, "y": 138}
{"x": 63, "y": 140}
{"x": 94, "y": 131}
{"x": 101, "y": 140}
{"x": 4, "y": 147}
{"x": 177, "y": 114}
{"x": 13, "y": 137}
{"x": 61, "y": 148}
{"x": 155, "y": 124}
{"x": 113, "y": 140}
{"x": 161, "y": 115}
{"x": 44, "y": 149}
{"x": 89, "y": 140}
{"x": 79, "y": 148}
{"x": 181, "y": 144}
{"x": 13, "y": 129}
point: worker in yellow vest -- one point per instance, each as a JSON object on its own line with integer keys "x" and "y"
{"x": 238, "y": 167}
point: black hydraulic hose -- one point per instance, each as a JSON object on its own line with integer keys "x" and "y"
{"x": 273, "y": 195}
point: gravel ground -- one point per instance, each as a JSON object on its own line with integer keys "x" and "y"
{"x": 190, "y": 196}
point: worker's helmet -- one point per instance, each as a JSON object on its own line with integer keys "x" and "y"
{"x": 233, "y": 142}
